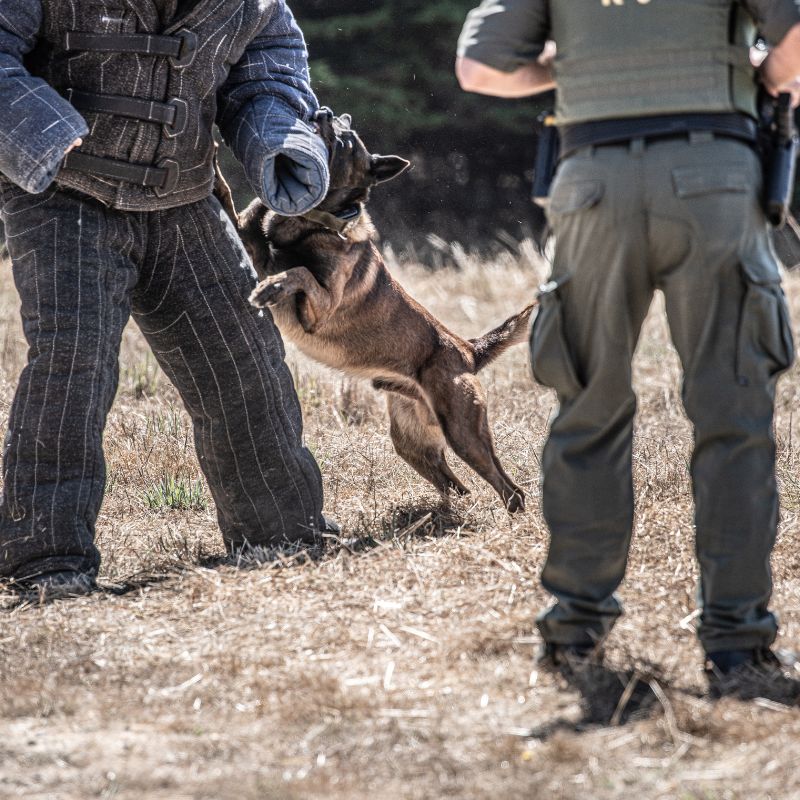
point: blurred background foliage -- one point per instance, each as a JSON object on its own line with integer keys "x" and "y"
{"x": 389, "y": 63}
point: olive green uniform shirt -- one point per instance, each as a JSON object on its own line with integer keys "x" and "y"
{"x": 506, "y": 34}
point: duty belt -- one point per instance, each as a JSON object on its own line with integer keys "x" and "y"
{"x": 620, "y": 131}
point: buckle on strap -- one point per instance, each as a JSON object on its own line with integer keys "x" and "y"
{"x": 171, "y": 171}
{"x": 188, "y": 49}
{"x": 179, "y": 119}
{"x": 162, "y": 178}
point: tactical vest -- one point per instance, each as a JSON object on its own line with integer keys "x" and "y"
{"x": 634, "y": 58}
{"x": 147, "y": 86}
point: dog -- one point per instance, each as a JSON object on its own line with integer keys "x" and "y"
{"x": 328, "y": 288}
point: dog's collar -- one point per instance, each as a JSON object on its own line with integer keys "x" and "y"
{"x": 340, "y": 223}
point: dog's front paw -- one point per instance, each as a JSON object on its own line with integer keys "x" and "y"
{"x": 267, "y": 293}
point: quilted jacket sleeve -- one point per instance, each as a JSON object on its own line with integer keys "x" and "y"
{"x": 265, "y": 110}
{"x": 36, "y": 124}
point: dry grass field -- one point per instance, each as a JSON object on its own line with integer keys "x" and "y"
{"x": 401, "y": 666}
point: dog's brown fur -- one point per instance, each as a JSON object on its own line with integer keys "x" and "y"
{"x": 332, "y": 295}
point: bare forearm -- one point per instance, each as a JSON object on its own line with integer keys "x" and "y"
{"x": 525, "y": 81}
{"x": 781, "y": 68}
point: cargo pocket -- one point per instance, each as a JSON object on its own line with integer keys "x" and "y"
{"x": 693, "y": 182}
{"x": 764, "y": 346}
{"x": 551, "y": 360}
{"x": 570, "y": 196}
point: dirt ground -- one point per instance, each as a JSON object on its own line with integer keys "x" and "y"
{"x": 401, "y": 666}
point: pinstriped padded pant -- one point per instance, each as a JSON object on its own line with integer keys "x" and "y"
{"x": 81, "y": 270}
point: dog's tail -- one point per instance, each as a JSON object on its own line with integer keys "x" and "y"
{"x": 514, "y": 330}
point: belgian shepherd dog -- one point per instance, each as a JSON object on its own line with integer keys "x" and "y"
{"x": 326, "y": 284}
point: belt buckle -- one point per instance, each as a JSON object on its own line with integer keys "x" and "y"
{"x": 173, "y": 171}
{"x": 188, "y": 49}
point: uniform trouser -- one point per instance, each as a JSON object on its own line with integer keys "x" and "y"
{"x": 681, "y": 216}
{"x": 81, "y": 271}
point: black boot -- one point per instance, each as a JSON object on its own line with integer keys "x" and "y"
{"x": 570, "y": 655}
{"x": 756, "y": 672}
{"x": 725, "y": 662}
{"x": 54, "y": 586}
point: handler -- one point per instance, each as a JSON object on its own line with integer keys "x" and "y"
{"x": 126, "y": 226}
{"x": 658, "y": 187}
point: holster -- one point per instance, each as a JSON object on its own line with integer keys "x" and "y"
{"x": 779, "y": 151}
{"x": 547, "y": 157}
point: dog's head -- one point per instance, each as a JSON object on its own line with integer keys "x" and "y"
{"x": 354, "y": 170}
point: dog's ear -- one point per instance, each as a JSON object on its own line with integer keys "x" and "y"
{"x": 346, "y": 121}
{"x": 384, "y": 168}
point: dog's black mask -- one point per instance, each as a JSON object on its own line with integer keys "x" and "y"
{"x": 354, "y": 170}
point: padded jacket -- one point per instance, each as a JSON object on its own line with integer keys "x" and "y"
{"x": 71, "y": 69}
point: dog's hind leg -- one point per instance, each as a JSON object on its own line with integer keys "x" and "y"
{"x": 419, "y": 441}
{"x": 460, "y": 405}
